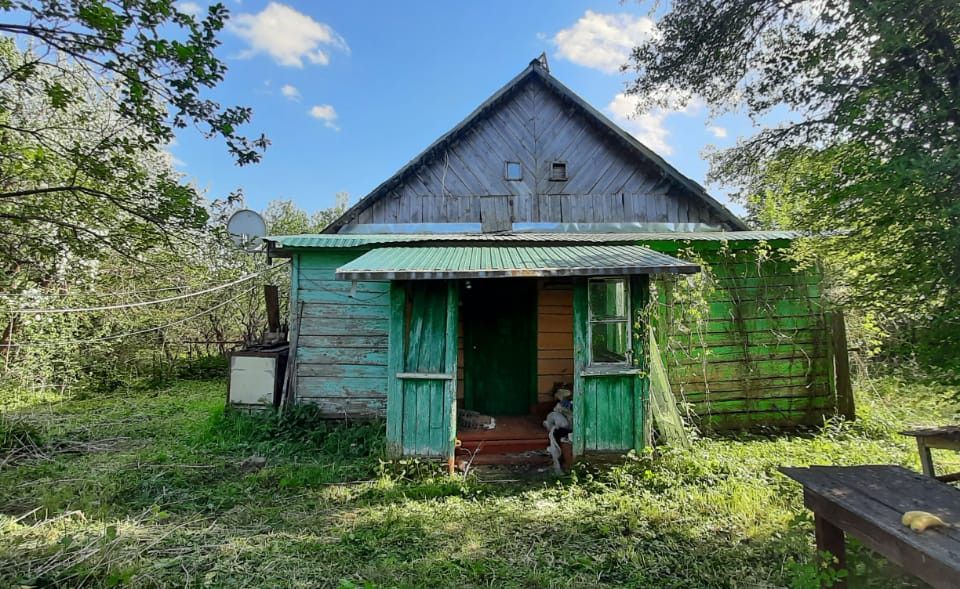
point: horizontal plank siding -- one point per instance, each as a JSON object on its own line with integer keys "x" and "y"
{"x": 756, "y": 353}
{"x": 554, "y": 337}
{"x": 343, "y": 342}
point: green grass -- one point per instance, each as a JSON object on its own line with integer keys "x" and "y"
{"x": 147, "y": 489}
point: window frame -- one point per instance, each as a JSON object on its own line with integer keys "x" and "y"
{"x": 628, "y": 360}
{"x": 506, "y": 171}
{"x": 555, "y": 178}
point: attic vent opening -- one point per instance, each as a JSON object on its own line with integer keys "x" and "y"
{"x": 558, "y": 171}
{"x": 512, "y": 171}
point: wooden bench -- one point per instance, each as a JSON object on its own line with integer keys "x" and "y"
{"x": 869, "y": 501}
{"x": 947, "y": 438}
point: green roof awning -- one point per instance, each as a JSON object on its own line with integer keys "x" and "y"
{"x": 430, "y": 263}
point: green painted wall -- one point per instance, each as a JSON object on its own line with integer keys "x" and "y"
{"x": 746, "y": 343}
{"x": 341, "y": 358}
{"x": 754, "y": 351}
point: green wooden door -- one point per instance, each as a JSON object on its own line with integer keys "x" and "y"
{"x": 499, "y": 334}
{"x": 609, "y": 357}
{"x": 421, "y": 385}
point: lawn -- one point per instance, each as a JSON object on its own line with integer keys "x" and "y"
{"x": 151, "y": 488}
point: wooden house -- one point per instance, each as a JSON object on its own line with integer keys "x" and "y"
{"x": 537, "y": 243}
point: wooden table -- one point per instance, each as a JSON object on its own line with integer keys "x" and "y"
{"x": 947, "y": 438}
{"x": 868, "y": 502}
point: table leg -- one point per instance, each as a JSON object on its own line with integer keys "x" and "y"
{"x": 830, "y": 539}
{"x": 926, "y": 459}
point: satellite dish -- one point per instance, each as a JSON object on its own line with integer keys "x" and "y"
{"x": 246, "y": 229}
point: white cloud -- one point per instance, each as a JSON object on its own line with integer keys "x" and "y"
{"x": 603, "y": 41}
{"x": 649, "y": 127}
{"x": 290, "y": 91}
{"x": 191, "y": 8}
{"x": 718, "y": 131}
{"x": 288, "y": 36}
{"x": 327, "y": 114}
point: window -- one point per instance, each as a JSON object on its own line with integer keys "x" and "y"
{"x": 558, "y": 171}
{"x": 512, "y": 171}
{"x": 609, "y": 321}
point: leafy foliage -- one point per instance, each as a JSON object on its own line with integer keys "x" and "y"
{"x": 873, "y": 152}
{"x": 157, "y": 58}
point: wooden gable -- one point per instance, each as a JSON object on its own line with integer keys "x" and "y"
{"x": 537, "y": 126}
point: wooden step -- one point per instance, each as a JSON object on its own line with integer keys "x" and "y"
{"x": 512, "y": 459}
{"x": 505, "y": 446}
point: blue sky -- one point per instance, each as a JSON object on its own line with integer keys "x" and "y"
{"x": 348, "y": 92}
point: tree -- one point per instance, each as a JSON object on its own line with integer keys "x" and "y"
{"x": 874, "y": 149}
{"x": 75, "y": 184}
{"x": 158, "y": 59}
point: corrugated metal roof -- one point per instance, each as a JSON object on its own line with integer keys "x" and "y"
{"x": 355, "y": 240}
{"x": 428, "y": 263}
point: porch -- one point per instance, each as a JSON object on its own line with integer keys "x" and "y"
{"x": 495, "y": 330}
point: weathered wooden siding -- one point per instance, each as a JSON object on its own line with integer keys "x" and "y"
{"x": 760, "y": 354}
{"x": 534, "y": 126}
{"x": 554, "y": 337}
{"x": 341, "y": 358}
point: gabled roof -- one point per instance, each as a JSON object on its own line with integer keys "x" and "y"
{"x": 536, "y": 70}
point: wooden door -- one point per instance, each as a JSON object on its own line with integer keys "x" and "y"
{"x": 610, "y": 383}
{"x": 421, "y": 385}
{"x": 499, "y": 346}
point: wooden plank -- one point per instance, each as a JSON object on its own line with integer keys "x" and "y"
{"x": 341, "y": 387}
{"x": 450, "y": 366}
{"x": 360, "y": 287}
{"x": 808, "y": 356}
{"x": 718, "y": 371}
{"x": 271, "y": 298}
{"x": 341, "y": 370}
{"x": 554, "y": 341}
{"x": 759, "y": 405}
{"x": 830, "y": 540}
{"x": 349, "y": 408}
{"x": 395, "y": 400}
{"x": 801, "y": 390}
{"x": 323, "y": 311}
{"x": 755, "y": 419}
{"x": 321, "y": 295}
{"x": 345, "y": 341}
{"x": 748, "y": 385}
{"x": 495, "y": 214}
{"x": 841, "y": 365}
{"x": 322, "y": 326}
{"x": 580, "y": 363}
{"x": 361, "y": 356}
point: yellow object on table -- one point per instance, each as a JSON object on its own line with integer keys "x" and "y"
{"x": 921, "y": 520}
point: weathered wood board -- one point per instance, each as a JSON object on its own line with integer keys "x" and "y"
{"x": 341, "y": 356}
{"x": 535, "y": 127}
{"x": 758, "y": 353}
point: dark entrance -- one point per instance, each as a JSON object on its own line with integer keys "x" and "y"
{"x": 499, "y": 329}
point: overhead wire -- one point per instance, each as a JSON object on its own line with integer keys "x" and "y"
{"x": 181, "y": 297}
{"x": 133, "y": 333}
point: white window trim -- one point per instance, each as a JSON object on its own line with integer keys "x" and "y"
{"x": 590, "y": 321}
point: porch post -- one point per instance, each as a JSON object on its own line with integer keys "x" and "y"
{"x": 450, "y": 367}
{"x": 395, "y": 348}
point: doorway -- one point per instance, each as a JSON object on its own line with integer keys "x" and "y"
{"x": 499, "y": 329}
